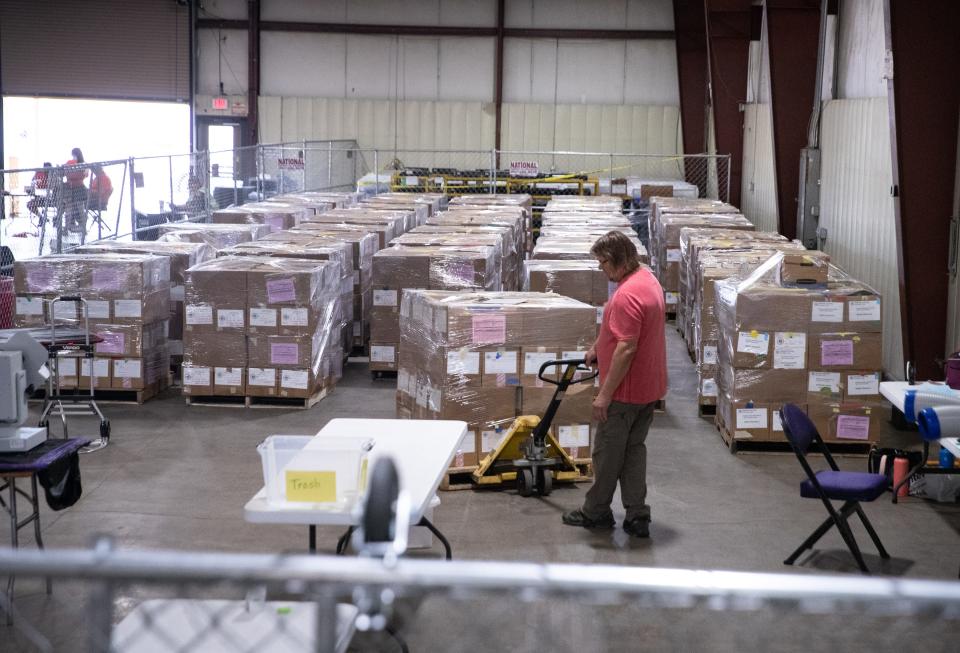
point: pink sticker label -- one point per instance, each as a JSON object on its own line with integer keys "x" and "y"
{"x": 40, "y": 279}
{"x": 489, "y": 329}
{"x": 275, "y": 221}
{"x": 457, "y": 273}
{"x": 501, "y": 380}
{"x": 113, "y": 343}
{"x": 853, "y": 427}
{"x": 281, "y": 290}
{"x": 836, "y": 352}
{"x": 284, "y": 353}
{"x": 106, "y": 279}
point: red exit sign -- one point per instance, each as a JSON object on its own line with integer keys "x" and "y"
{"x": 220, "y": 103}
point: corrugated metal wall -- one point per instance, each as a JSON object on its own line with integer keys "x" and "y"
{"x": 759, "y": 192}
{"x": 470, "y": 125}
{"x": 856, "y": 207}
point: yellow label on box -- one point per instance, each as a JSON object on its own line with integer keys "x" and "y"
{"x": 311, "y": 487}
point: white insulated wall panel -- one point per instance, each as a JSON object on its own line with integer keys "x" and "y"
{"x": 590, "y": 71}
{"x": 302, "y": 64}
{"x": 857, "y": 210}
{"x": 236, "y": 9}
{"x": 596, "y": 14}
{"x": 759, "y": 184}
{"x": 530, "y": 70}
{"x": 371, "y": 66}
{"x": 228, "y": 62}
{"x": 466, "y": 69}
{"x": 861, "y": 50}
{"x": 651, "y": 73}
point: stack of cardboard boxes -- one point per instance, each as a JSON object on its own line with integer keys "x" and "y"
{"x": 518, "y": 206}
{"x": 259, "y": 326}
{"x": 801, "y": 333}
{"x": 218, "y": 236}
{"x": 128, "y": 306}
{"x": 475, "y": 357}
{"x": 275, "y": 214}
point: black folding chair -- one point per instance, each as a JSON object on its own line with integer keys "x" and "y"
{"x": 831, "y": 485}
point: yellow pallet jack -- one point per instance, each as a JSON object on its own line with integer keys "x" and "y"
{"x": 529, "y": 453}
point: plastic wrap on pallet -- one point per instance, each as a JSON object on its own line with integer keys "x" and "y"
{"x": 507, "y": 265}
{"x": 414, "y": 213}
{"x": 475, "y": 357}
{"x": 217, "y": 236}
{"x": 667, "y": 252}
{"x": 313, "y": 205}
{"x": 509, "y": 216}
{"x": 182, "y": 255}
{"x": 364, "y": 243}
{"x": 386, "y": 224}
{"x": 582, "y": 280}
{"x": 436, "y": 201}
{"x": 523, "y": 200}
{"x": 661, "y": 207}
{"x": 275, "y": 215}
{"x": 337, "y": 252}
{"x": 511, "y": 255}
{"x": 129, "y": 340}
{"x": 340, "y": 199}
{"x": 141, "y": 373}
{"x": 107, "y": 274}
{"x": 576, "y": 247}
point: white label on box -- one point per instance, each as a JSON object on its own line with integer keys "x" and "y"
{"x": 752, "y": 342}
{"x": 127, "y": 368}
{"x": 295, "y": 379}
{"x": 751, "y": 418}
{"x": 820, "y": 381}
{"x": 384, "y": 297}
{"x": 196, "y": 375}
{"x": 262, "y": 376}
{"x": 263, "y": 317}
{"x": 709, "y": 354}
{"x": 130, "y": 308}
{"x": 574, "y": 435}
{"x": 863, "y": 384}
{"x": 499, "y": 362}
{"x": 65, "y": 311}
{"x": 434, "y": 398}
{"x": 403, "y": 381}
{"x": 29, "y": 306}
{"x": 673, "y": 255}
{"x": 599, "y": 314}
{"x": 462, "y": 361}
{"x": 229, "y": 319}
{"x": 532, "y": 360}
{"x": 490, "y": 439}
{"x": 295, "y": 317}
{"x": 381, "y": 354}
{"x": 421, "y": 395}
{"x": 777, "y": 424}
{"x": 468, "y": 444}
{"x": 708, "y": 387}
{"x": 98, "y": 309}
{"x": 864, "y": 311}
{"x": 101, "y": 367}
{"x": 67, "y": 366}
{"x": 199, "y": 314}
{"x": 827, "y": 312}
{"x": 671, "y": 297}
{"x": 789, "y": 351}
{"x": 228, "y": 376}
{"x": 177, "y": 293}
{"x": 411, "y": 181}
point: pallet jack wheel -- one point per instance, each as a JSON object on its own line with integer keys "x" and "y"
{"x": 525, "y": 482}
{"x": 544, "y": 481}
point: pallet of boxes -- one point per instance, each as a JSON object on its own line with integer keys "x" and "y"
{"x": 128, "y": 305}
{"x": 262, "y": 330}
{"x": 475, "y": 357}
{"x": 784, "y": 340}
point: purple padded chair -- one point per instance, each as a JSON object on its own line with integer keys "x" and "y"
{"x": 832, "y": 484}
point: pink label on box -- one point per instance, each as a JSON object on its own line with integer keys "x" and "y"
{"x": 489, "y": 329}
{"x": 281, "y": 290}
{"x": 275, "y": 221}
{"x": 457, "y": 273}
{"x": 853, "y": 427}
{"x": 106, "y": 279}
{"x": 113, "y": 343}
{"x": 284, "y": 353}
{"x": 836, "y": 352}
{"x": 40, "y": 279}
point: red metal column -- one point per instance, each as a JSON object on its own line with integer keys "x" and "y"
{"x": 793, "y": 33}
{"x": 253, "y": 70}
{"x": 690, "y": 25}
{"x": 728, "y": 29}
{"x": 925, "y": 40}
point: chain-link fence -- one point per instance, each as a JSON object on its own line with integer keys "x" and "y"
{"x": 158, "y": 601}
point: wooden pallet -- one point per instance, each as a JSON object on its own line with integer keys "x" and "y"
{"x": 241, "y": 401}
{"x": 747, "y": 446}
{"x": 111, "y": 395}
{"x": 383, "y": 374}
{"x": 706, "y": 410}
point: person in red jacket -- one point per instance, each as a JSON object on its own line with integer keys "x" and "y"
{"x": 40, "y": 181}
{"x": 75, "y": 193}
{"x": 101, "y": 188}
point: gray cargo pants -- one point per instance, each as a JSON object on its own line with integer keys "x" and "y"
{"x": 620, "y": 454}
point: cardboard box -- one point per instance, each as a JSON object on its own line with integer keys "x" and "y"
{"x": 215, "y": 349}
{"x": 101, "y": 373}
{"x": 299, "y": 383}
{"x": 467, "y": 454}
{"x": 216, "y": 296}
{"x": 383, "y": 355}
{"x": 261, "y": 382}
{"x": 745, "y": 420}
{"x": 500, "y": 367}
{"x": 284, "y": 351}
{"x": 229, "y": 381}
{"x": 67, "y": 372}
{"x": 129, "y": 340}
{"x": 845, "y": 351}
{"x": 782, "y": 350}
{"x": 197, "y": 380}
{"x": 804, "y": 269}
{"x": 847, "y": 421}
{"x": 532, "y": 357}
{"x": 707, "y": 388}
{"x": 128, "y": 374}
{"x": 762, "y": 386}
{"x": 463, "y": 367}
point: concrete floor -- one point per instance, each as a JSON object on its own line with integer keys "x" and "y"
{"x": 177, "y": 477}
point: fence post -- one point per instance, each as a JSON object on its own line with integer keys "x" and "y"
{"x": 330, "y": 165}
{"x": 260, "y": 170}
{"x": 376, "y": 172}
{"x": 133, "y": 204}
{"x": 100, "y": 606}
{"x": 493, "y": 171}
{"x": 170, "y": 169}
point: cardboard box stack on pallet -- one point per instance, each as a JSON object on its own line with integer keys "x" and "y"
{"x": 218, "y": 236}
{"x": 182, "y": 257}
{"x": 128, "y": 306}
{"x": 276, "y": 215}
{"x": 475, "y": 357}
{"x": 520, "y": 205}
{"x": 818, "y": 346}
{"x": 259, "y": 326}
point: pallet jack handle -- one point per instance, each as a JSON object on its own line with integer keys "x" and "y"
{"x": 566, "y": 380}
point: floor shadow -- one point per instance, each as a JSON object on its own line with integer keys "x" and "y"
{"x": 841, "y": 561}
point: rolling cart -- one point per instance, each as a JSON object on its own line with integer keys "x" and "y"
{"x": 78, "y": 346}
{"x": 529, "y": 453}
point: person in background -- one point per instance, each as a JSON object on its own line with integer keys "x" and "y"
{"x": 40, "y": 181}
{"x": 75, "y": 199}
{"x": 630, "y": 351}
{"x": 199, "y": 203}
{"x": 101, "y": 188}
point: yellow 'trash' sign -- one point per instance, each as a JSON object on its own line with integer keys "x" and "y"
{"x": 311, "y": 487}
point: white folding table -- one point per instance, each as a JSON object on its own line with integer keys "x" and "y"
{"x": 421, "y": 450}
{"x": 895, "y": 392}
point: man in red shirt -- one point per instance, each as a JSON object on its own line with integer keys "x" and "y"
{"x": 631, "y": 353}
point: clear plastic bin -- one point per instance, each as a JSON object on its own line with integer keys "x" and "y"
{"x": 314, "y": 469}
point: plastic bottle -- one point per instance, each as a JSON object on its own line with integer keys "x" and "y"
{"x": 901, "y": 467}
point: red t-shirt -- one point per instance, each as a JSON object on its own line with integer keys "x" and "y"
{"x": 636, "y": 311}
